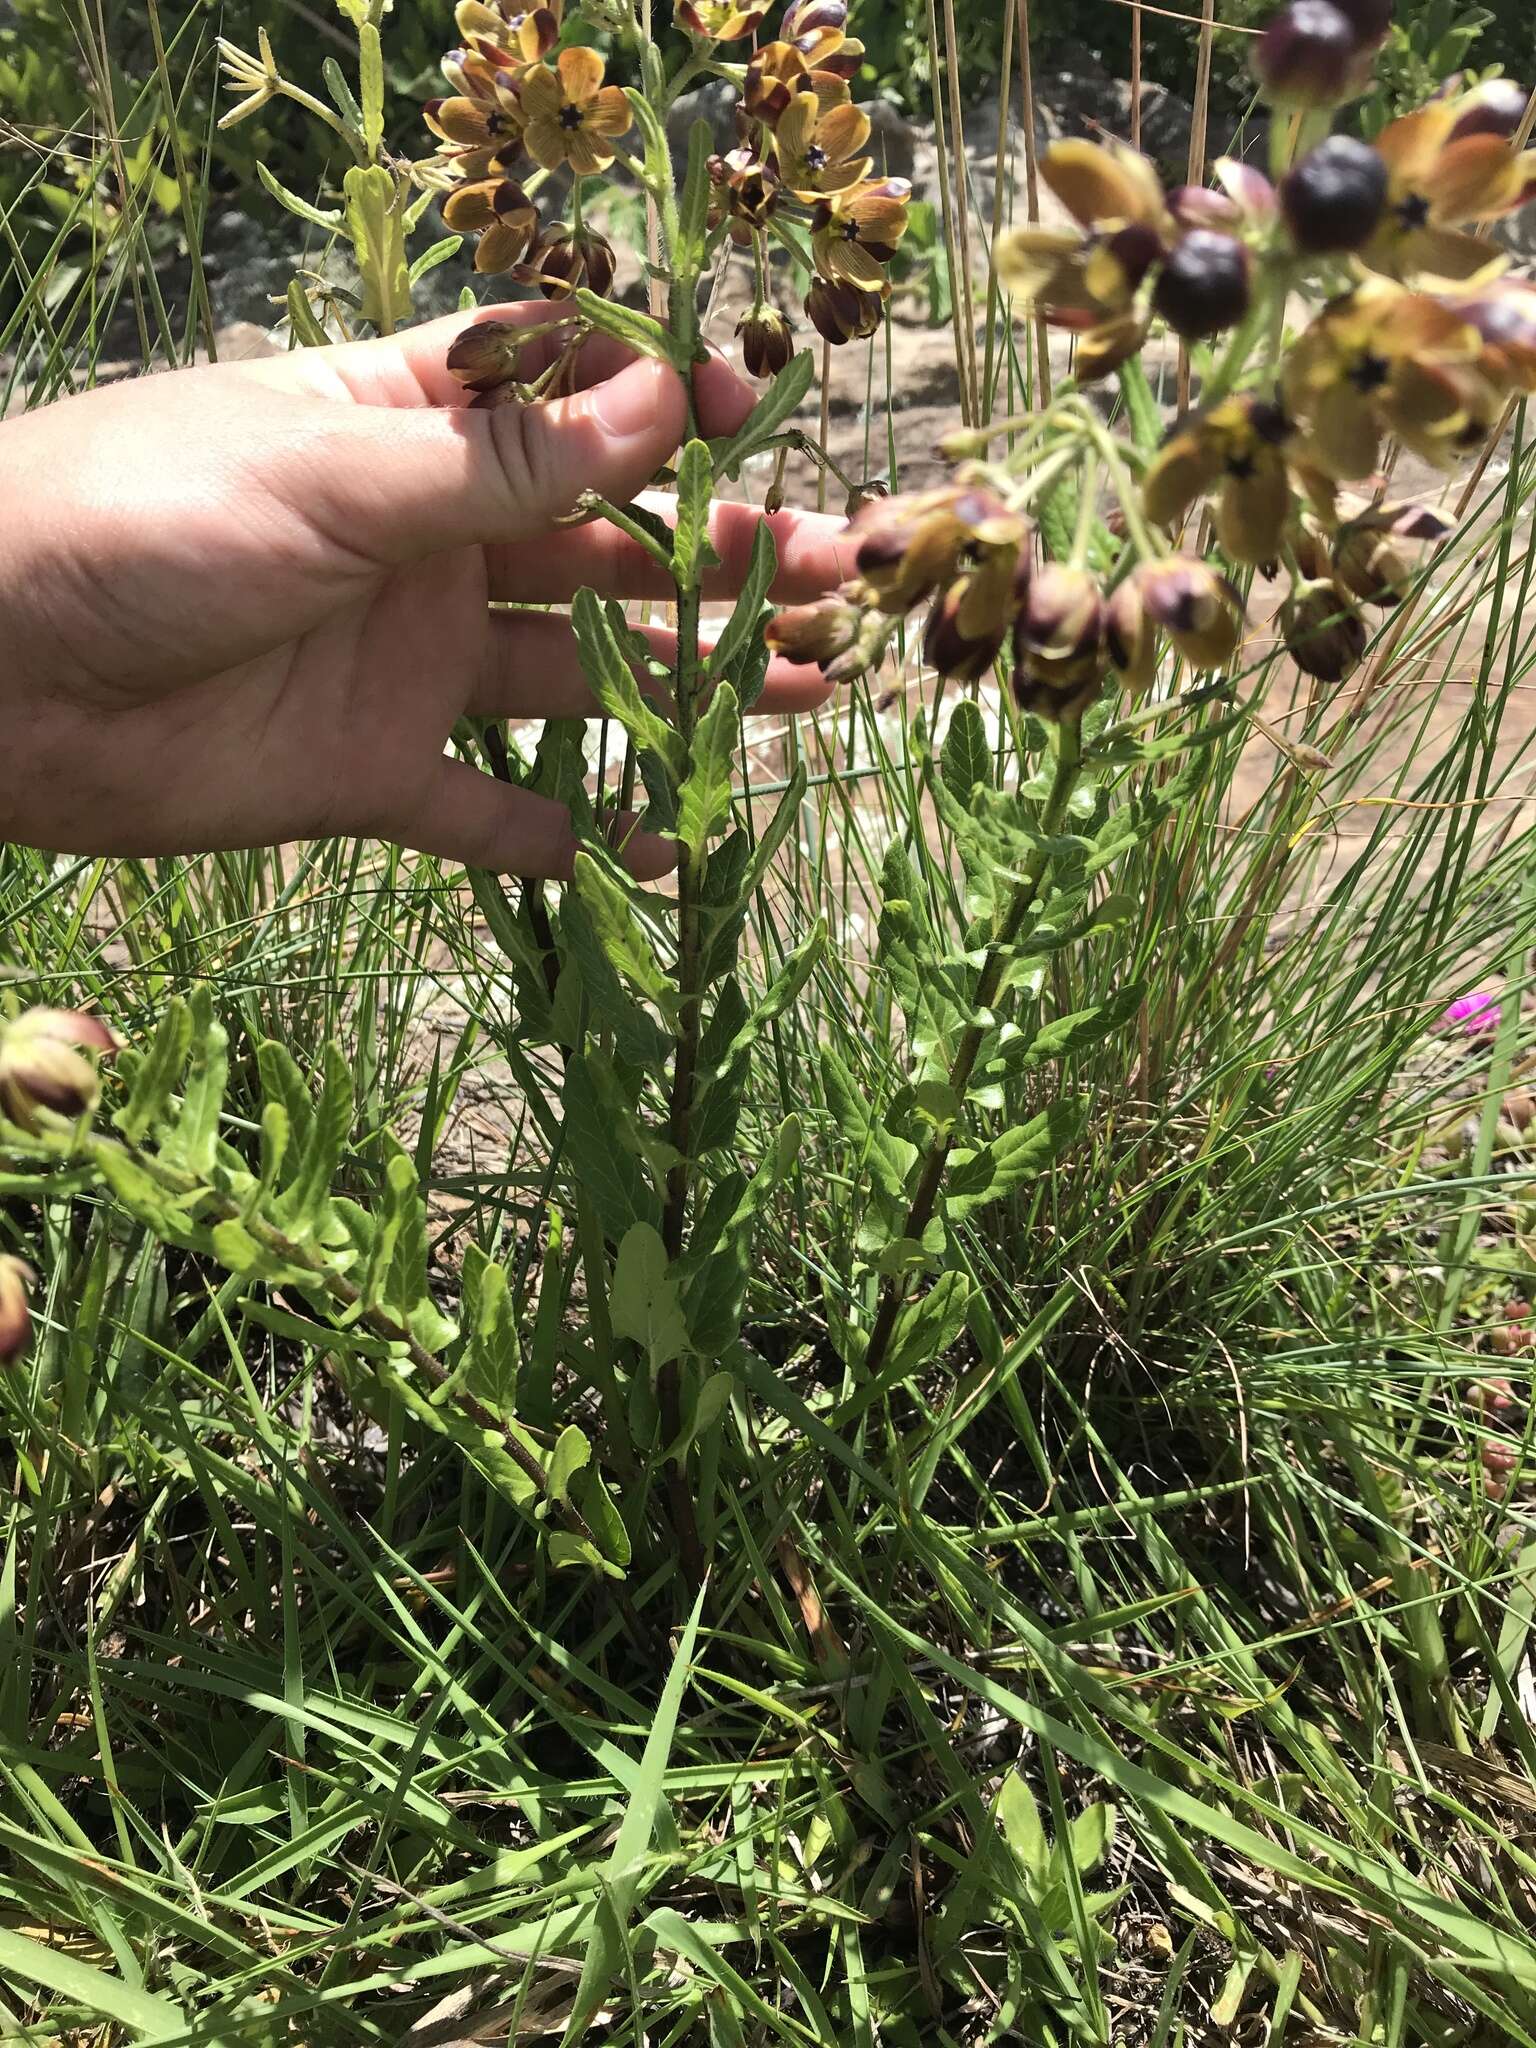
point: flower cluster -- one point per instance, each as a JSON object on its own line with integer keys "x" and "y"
{"x": 803, "y": 151}
{"x": 974, "y": 558}
{"x": 515, "y": 103}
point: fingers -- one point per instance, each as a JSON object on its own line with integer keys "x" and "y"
{"x": 533, "y": 670}
{"x": 463, "y": 815}
{"x": 411, "y": 369}
{"x": 813, "y": 550}
{"x": 393, "y": 486}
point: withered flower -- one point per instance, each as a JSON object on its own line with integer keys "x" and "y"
{"x": 743, "y": 193}
{"x": 570, "y": 114}
{"x": 1237, "y": 452}
{"x": 722, "y": 21}
{"x": 485, "y": 356}
{"x": 1312, "y": 56}
{"x": 1381, "y": 360}
{"x": 1089, "y": 280}
{"x": 44, "y": 1065}
{"x": 500, "y": 212}
{"x": 841, "y": 633}
{"x": 842, "y": 312}
{"x": 1130, "y": 637}
{"x": 767, "y": 341}
{"x": 1059, "y": 643}
{"x": 1368, "y": 550}
{"x": 568, "y": 259}
{"x": 1440, "y": 178}
{"x": 1323, "y": 633}
{"x": 16, "y": 1279}
{"x": 855, "y": 234}
{"x": 816, "y": 153}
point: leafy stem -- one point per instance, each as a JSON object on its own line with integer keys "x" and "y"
{"x": 1017, "y": 922}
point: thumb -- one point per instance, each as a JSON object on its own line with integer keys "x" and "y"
{"x": 411, "y": 481}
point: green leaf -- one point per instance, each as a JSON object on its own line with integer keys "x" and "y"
{"x": 440, "y": 252}
{"x": 992, "y": 1171}
{"x": 926, "y": 1328}
{"x": 328, "y": 217}
{"x": 772, "y": 837}
{"x": 966, "y": 759}
{"x": 1141, "y": 406}
{"x": 704, "y": 801}
{"x": 643, "y": 1300}
{"x": 305, "y": 1200}
{"x": 622, "y": 937}
{"x": 692, "y": 553}
{"x": 158, "y": 1071}
{"x": 1090, "y": 1836}
{"x": 307, "y": 330}
{"x": 693, "y": 213}
{"x": 636, "y": 1036}
{"x": 630, "y": 1857}
{"x": 491, "y": 1328}
{"x": 596, "y": 1506}
{"x": 783, "y": 989}
{"x": 571, "y": 1452}
{"x": 636, "y": 330}
{"x": 615, "y": 685}
{"x": 378, "y": 242}
{"x": 744, "y": 625}
{"x": 96, "y": 1991}
{"x": 887, "y": 1160}
{"x": 1081, "y": 1028}
{"x": 611, "y": 1177}
{"x": 341, "y": 93}
{"x": 1023, "y": 1829}
{"x": 781, "y": 398}
{"x": 193, "y": 1144}
{"x": 370, "y": 73}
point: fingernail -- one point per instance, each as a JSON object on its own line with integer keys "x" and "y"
{"x": 629, "y": 404}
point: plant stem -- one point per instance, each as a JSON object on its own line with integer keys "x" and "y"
{"x": 1069, "y": 754}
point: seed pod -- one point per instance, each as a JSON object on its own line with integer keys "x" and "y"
{"x": 1323, "y": 633}
{"x": 15, "y": 1316}
{"x": 767, "y": 341}
{"x": 1204, "y": 285}
{"x": 1333, "y": 199}
{"x": 44, "y": 1068}
{"x": 1311, "y": 56}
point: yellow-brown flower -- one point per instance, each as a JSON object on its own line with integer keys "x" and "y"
{"x": 1444, "y": 172}
{"x": 1089, "y": 280}
{"x": 500, "y": 212}
{"x": 906, "y": 547}
{"x": 816, "y": 28}
{"x": 817, "y": 151}
{"x": 722, "y": 21}
{"x": 743, "y": 193}
{"x": 777, "y": 74}
{"x": 840, "y": 633}
{"x": 570, "y": 114}
{"x": 855, "y": 234}
{"x": 1383, "y": 359}
{"x": 1503, "y": 311}
{"x": 1323, "y": 633}
{"x": 1236, "y": 453}
{"x": 974, "y": 614}
{"x": 524, "y": 34}
{"x": 1196, "y": 606}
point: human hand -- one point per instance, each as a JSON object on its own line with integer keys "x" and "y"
{"x": 246, "y": 603}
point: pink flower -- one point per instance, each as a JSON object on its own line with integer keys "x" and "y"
{"x": 1477, "y": 1014}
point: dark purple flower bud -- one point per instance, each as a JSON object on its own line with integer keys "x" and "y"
{"x": 1370, "y": 19}
{"x": 1333, "y": 199}
{"x": 1311, "y": 55}
{"x": 1204, "y": 285}
{"x": 1497, "y": 108}
{"x": 43, "y": 1065}
{"x": 1323, "y": 633}
{"x": 767, "y": 341}
{"x": 840, "y": 312}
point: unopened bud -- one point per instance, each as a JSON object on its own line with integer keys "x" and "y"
{"x": 1311, "y": 56}
{"x": 44, "y": 1067}
{"x": 1323, "y": 633}
{"x": 767, "y": 341}
{"x": 16, "y": 1279}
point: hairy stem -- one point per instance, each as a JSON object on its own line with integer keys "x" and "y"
{"x": 988, "y": 987}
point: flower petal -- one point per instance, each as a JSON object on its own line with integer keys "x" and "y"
{"x": 539, "y": 93}
{"x": 609, "y": 113}
{"x": 843, "y": 132}
{"x": 581, "y": 73}
{"x": 1103, "y": 182}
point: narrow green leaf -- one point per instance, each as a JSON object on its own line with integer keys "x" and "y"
{"x": 611, "y": 1177}
{"x": 378, "y": 242}
{"x": 992, "y": 1171}
{"x": 157, "y": 1074}
{"x": 966, "y": 759}
{"x": 571, "y": 1452}
{"x": 370, "y": 73}
{"x": 746, "y": 620}
{"x": 328, "y": 217}
{"x": 643, "y": 1301}
{"x": 637, "y": 331}
{"x": 622, "y": 937}
{"x": 781, "y": 398}
{"x": 704, "y": 801}
{"x": 440, "y": 252}
{"x": 615, "y": 685}
{"x": 692, "y": 553}
{"x": 98, "y": 1992}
